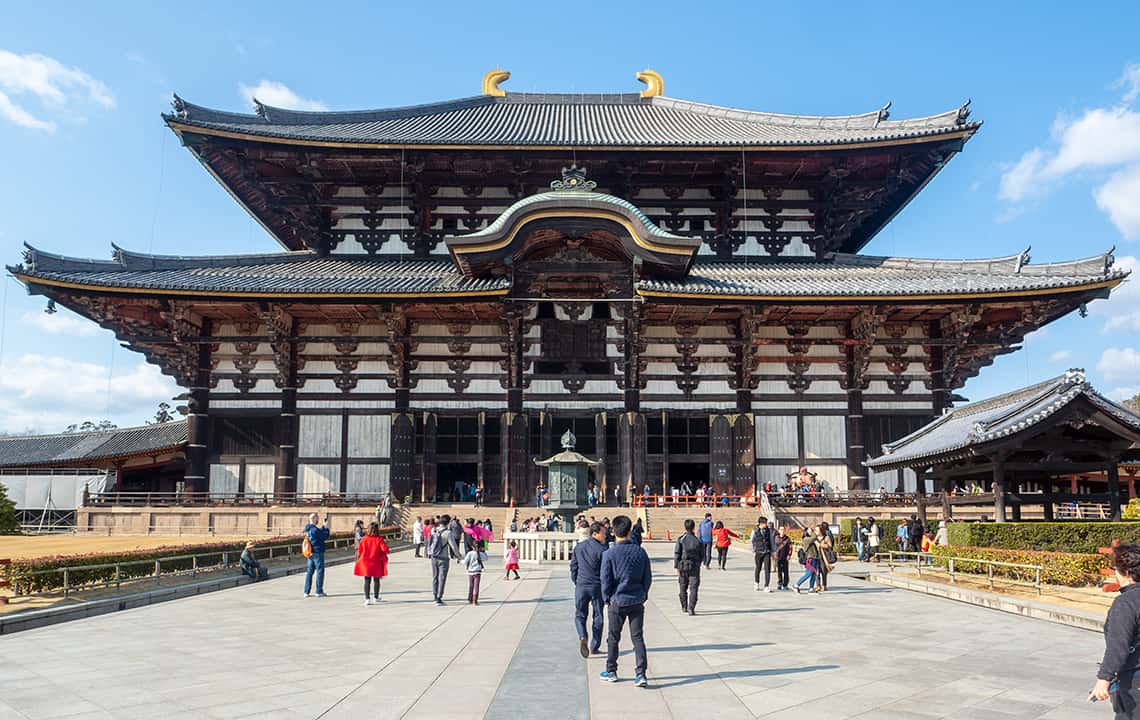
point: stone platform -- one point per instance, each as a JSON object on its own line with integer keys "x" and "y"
{"x": 264, "y": 651}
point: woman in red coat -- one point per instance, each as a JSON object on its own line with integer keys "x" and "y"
{"x": 371, "y": 562}
{"x": 723, "y": 537}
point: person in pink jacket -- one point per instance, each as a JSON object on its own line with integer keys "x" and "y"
{"x": 511, "y": 559}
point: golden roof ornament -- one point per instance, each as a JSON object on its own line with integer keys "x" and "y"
{"x": 654, "y": 83}
{"x": 491, "y": 82}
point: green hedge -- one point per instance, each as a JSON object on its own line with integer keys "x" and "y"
{"x": 20, "y": 573}
{"x": 887, "y": 529}
{"x": 1058, "y": 568}
{"x": 1065, "y": 537}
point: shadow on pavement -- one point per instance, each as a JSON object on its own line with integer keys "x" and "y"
{"x": 708, "y": 646}
{"x": 679, "y": 680}
{"x": 751, "y": 611}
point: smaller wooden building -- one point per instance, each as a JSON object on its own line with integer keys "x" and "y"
{"x": 1024, "y": 446}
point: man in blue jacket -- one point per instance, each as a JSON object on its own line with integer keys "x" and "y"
{"x": 704, "y": 532}
{"x": 586, "y": 574}
{"x": 626, "y": 577}
{"x": 317, "y": 535}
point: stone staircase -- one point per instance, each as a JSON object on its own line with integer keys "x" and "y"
{"x": 500, "y": 516}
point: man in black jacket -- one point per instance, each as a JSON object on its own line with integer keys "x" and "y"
{"x": 586, "y": 574}
{"x": 687, "y": 558}
{"x": 763, "y": 544}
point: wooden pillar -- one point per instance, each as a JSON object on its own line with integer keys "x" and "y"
{"x": 1131, "y": 486}
{"x": 947, "y": 513}
{"x": 514, "y": 456}
{"x": 198, "y": 421}
{"x": 1113, "y": 475}
{"x": 940, "y": 394}
{"x": 1073, "y": 485}
{"x": 999, "y": 487}
{"x": 428, "y": 466}
{"x": 856, "y": 472}
{"x": 288, "y": 424}
{"x": 631, "y": 451}
{"x": 482, "y": 438}
{"x": 403, "y": 445}
{"x": 600, "y": 446}
{"x": 1049, "y": 486}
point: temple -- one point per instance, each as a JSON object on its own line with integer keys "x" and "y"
{"x": 459, "y": 283}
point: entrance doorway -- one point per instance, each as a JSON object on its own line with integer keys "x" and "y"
{"x": 456, "y": 482}
{"x": 693, "y": 473}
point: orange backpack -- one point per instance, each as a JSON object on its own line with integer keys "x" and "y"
{"x": 307, "y": 546}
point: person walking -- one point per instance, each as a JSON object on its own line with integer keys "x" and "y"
{"x": 942, "y": 537}
{"x": 902, "y": 536}
{"x": 705, "y": 533}
{"x": 636, "y": 532}
{"x": 688, "y": 555}
{"x": 315, "y": 566}
{"x": 456, "y": 529}
{"x": 626, "y": 578}
{"x": 827, "y": 556}
{"x": 441, "y": 549}
{"x": 371, "y": 562}
{"x": 474, "y": 561}
{"x": 916, "y": 531}
{"x": 511, "y": 560}
{"x": 1117, "y": 676}
{"x": 783, "y": 557}
{"x": 874, "y": 538}
{"x": 858, "y": 533}
{"x": 586, "y": 574}
{"x": 358, "y": 532}
{"x": 723, "y": 538}
{"x": 418, "y": 535}
{"x": 809, "y": 558}
{"x": 763, "y": 543}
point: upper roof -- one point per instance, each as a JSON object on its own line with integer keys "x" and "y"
{"x": 958, "y": 431}
{"x": 70, "y": 449}
{"x": 566, "y": 120}
{"x": 305, "y": 274}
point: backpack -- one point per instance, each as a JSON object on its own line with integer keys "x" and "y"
{"x": 801, "y": 556}
{"x": 307, "y": 546}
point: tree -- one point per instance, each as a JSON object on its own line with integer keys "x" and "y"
{"x": 89, "y": 426}
{"x": 1133, "y": 403}
{"x": 162, "y": 415}
{"x": 8, "y": 524}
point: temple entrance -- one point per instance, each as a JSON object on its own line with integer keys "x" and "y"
{"x": 693, "y": 473}
{"x": 457, "y": 482}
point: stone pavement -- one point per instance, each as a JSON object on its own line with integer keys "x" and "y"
{"x": 264, "y": 651}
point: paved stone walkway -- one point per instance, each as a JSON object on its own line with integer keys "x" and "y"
{"x": 264, "y": 651}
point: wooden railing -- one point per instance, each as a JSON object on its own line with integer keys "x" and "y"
{"x": 790, "y": 498}
{"x": 925, "y": 561}
{"x": 536, "y": 548}
{"x": 159, "y": 499}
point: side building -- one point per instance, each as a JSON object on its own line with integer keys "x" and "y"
{"x": 679, "y": 284}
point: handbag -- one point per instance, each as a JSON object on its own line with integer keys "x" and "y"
{"x": 830, "y": 556}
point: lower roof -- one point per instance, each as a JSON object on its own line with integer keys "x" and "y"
{"x": 69, "y": 449}
{"x": 302, "y": 275}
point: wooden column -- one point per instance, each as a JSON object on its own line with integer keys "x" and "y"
{"x": 403, "y": 445}
{"x": 288, "y": 425}
{"x": 856, "y": 472}
{"x": 631, "y": 424}
{"x": 197, "y": 477}
{"x": 428, "y": 466}
{"x": 482, "y": 419}
{"x": 1113, "y": 475}
{"x": 999, "y": 487}
{"x": 600, "y": 446}
{"x": 940, "y": 394}
{"x": 1049, "y": 487}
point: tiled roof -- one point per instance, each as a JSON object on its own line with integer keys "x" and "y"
{"x": 296, "y": 273}
{"x": 844, "y": 275}
{"x": 69, "y": 449}
{"x": 305, "y": 273}
{"x": 958, "y": 431}
{"x": 552, "y": 119}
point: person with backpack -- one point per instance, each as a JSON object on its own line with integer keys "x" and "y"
{"x": 442, "y": 547}
{"x": 874, "y": 537}
{"x": 474, "y": 561}
{"x": 705, "y": 533}
{"x": 783, "y": 558}
{"x": 763, "y": 543}
{"x": 586, "y": 574}
{"x": 688, "y": 555}
{"x": 313, "y": 548}
{"x": 626, "y": 577}
{"x": 371, "y": 562}
{"x": 808, "y": 556}
{"x": 827, "y": 556}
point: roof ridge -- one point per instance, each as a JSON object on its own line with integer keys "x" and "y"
{"x": 88, "y": 433}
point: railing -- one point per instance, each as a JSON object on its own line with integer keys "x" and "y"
{"x": 786, "y": 498}
{"x": 158, "y": 499}
{"x": 175, "y": 565}
{"x": 1083, "y": 511}
{"x": 927, "y": 561}
{"x": 542, "y": 547}
{"x": 46, "y": 521}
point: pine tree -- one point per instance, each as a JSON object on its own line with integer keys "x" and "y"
{"x": 8, "y": 524}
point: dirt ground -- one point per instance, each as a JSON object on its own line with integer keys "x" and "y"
{"x": 1090, "y": 599}
{"x": 18, "y": 547}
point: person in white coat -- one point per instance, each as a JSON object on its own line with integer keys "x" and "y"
{"x": 418, "y": 535}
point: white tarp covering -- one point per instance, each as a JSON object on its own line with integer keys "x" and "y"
{"x": 57, "y": 492}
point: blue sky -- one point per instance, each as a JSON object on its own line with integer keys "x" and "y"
{"x": 86, "y": 161}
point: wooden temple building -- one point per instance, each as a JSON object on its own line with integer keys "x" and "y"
{"x": 680, "y": 284}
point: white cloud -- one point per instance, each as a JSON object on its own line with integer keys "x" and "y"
{"x": 1099, "y": 139}
{"x": 1121, "y": 311}
{"x": 52, "y": 83}
{"x": 61, "y": 322}
{"x": 1061, "y": 356}
{"x": 276, "y": 94}
{"x": 1120, "y": 364}
{"x": 1120, "y": 394}
{"x": 50, "y": 392}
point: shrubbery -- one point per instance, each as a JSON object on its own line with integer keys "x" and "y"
{"x": 1064, "y": 537}
{"x": 887, "y": 529}
{"x": 1058, "y": 568}
{"x": 8, "y": 524}
{"x": 23, "y": 581}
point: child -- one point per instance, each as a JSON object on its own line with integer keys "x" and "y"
{"x": 371, "y": 562}
{"x": 512, "y": 560}
{"x": 473, "y": 561}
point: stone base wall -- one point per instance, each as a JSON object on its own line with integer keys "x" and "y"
{"x": 254, "y": 521}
